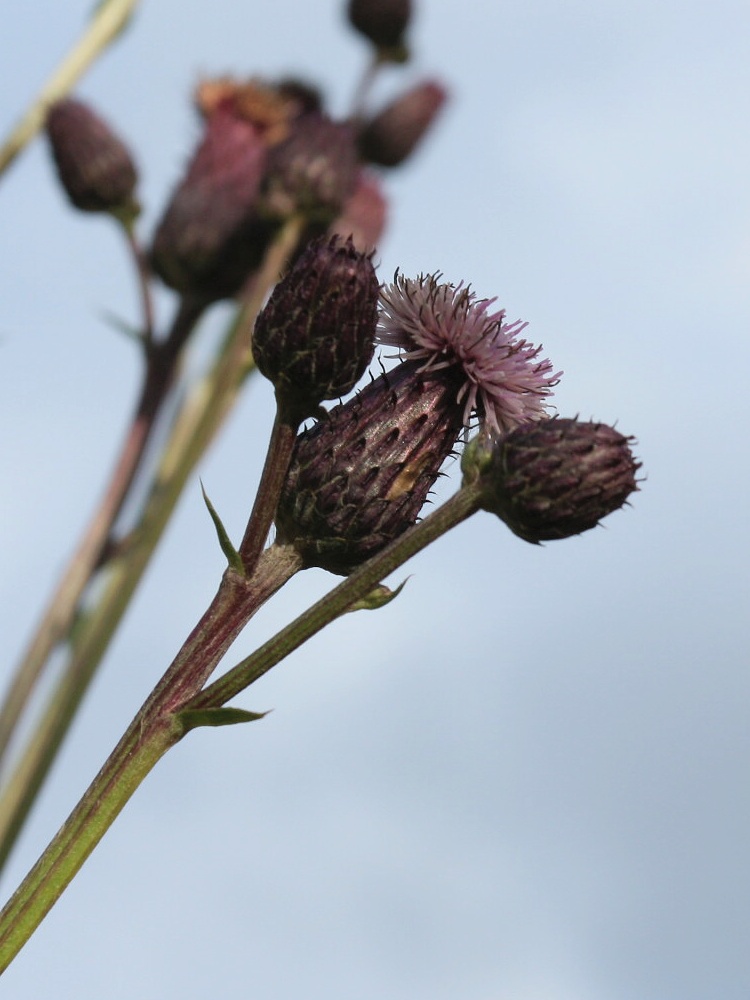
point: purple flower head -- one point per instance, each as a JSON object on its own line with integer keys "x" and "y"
{"x": 503, "y": 380}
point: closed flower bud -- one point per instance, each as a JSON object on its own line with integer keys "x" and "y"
{"x": 360, "y": 476}
{"x": 363, "y": 217}
{"x": 210, "y": 238}
{"x": 315, "y": 337}
{"x": 314, "y": 171}
{"x": 392, "y": 135}
{"x": 382, "y": 21}
{"x": 556, "y": 478}
{"x": 94, "y": 166}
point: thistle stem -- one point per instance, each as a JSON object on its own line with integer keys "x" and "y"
{"x": 355, "y": 587}
{"x": 106, "y": 22}
{"x": 272, "y": 479}
{"x": 365, "y": 85}
{"x": 142, "y": 274}
{"x": 157, "y": 725}
{"x": 154, "y": 730}
{"x": 194, "y": 428}
{"x": 134, "y": 757}
{"x": 56, "y": 621}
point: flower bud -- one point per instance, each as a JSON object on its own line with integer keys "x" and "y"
{"x": 303, "y": 96}
{"x": 556, "y": 477}
{"x": 269, "y": 107}
{"x": 360, "y": 476}
{"x": 315, "y": 337}
{"x": 392, "y": 135}
{"x": 314, "y": 171}
{"x": 363, "y": 216}
{"x": 382, "y": 21}
{"x": 210, "y": 238}
{"x": 94, "y": 166}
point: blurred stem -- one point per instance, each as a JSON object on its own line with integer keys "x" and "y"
{"x": 161, "y": 363}
{"x": 109, "y": 18}
{"x": 142, "y": 274}
{"x": 158, "y": 725}
{"x": 195, "y": 426}
{"x": 365, "y": 85}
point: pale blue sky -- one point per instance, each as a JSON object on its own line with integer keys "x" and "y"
{"x": 526, "y": 779}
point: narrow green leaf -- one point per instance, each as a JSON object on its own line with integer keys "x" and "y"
{"x": 194, "y": 718}
{"x": 121, "y": 325}
{"x": 378, "y": 597}
{"x": 233, "y": 556}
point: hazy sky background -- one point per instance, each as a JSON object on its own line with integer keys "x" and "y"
{"x": 527, "y": 778}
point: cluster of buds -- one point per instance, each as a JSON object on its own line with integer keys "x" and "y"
{"x": 270, "y": 161}
{"x": 266, "y": 152}
{"x": 209, "y": 237}
{"x": 362, "y": 473}
{"x": 360, "y": 476}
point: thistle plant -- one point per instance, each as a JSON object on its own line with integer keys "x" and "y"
{"x": 278, "y": 210}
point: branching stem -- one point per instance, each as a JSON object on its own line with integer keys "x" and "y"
{"x": 157, "y": 726}
{"x": 195, "y": 426}
{"x": 57, "y": 619}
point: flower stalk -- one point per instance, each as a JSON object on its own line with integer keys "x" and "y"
{"x": 158, "y": 725}
{"x": 197, "y": 422}
{"x": 161, "y": 363}
{"x": 271, "y": 173}
{"x": 313, "y": 340}
{"x": 341, "y": 599}
{"x": 280, "y": 450}
{"x": 596, "y": 463}
{"x": 107, "y": 22}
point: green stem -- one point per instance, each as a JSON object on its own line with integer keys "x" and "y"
{"x": 154, "y": 730}
{"x": 365, "y": 85}
{"x": 62, "y": 606}
{"x": 28, "y": 776}
{"x": 195, "y": 427}
{"x": 143, "y": 281}
{"x": 237, "y": 600}
{"x": 113, "y": 786}
{"x": 107, "y": 21}
{"x": 357, "y": 586}
{"x": 157, "y": 725}
{"x": 272, "y": 479}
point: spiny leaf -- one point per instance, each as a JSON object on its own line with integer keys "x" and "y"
{"x": 233, "y": 557}
{"x": 377, "y": 598}
{"x": 194, "y": 718}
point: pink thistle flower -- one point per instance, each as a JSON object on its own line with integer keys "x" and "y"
{"x": 503, "y": 380}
